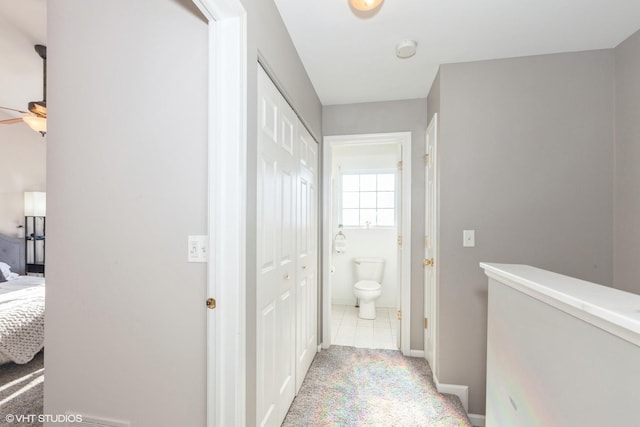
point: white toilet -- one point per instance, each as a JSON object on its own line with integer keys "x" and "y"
{"x": 368, "y": 286}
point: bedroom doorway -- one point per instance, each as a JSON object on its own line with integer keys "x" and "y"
{"x": 227, "y": 144}
{"x": 366, "y": 217}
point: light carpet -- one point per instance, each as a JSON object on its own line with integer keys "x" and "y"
{"x": 21, "y": 390}
{"x": 348, "y": 386}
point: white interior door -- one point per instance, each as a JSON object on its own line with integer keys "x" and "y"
{"x": 276, "y": 254}
{"x": 307, "y": 278}
{"x": 430, "y": 243}
{"x": 395, "y": 322}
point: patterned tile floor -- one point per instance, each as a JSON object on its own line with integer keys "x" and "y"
{"x": 348, "y": 329}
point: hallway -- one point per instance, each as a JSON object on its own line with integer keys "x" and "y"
{"x": 362, "y": 387}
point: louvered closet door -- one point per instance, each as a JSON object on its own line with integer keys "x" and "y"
{"x": 307, "y": 288}
{"x": 276, "y": 254}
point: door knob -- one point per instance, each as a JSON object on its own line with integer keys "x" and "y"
{"x": 211, "y": 303}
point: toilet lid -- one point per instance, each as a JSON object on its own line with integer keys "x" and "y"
{"x": 368, "y": 285}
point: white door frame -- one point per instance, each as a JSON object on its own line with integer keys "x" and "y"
{"x": 431, "y": 300}
{"x": 404, "y": 138}
{"x": 226, "y": 329}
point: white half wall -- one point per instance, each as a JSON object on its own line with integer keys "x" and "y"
{"x": 560, "y": 351}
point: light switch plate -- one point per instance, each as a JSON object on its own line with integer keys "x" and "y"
{"x": 197, "y": 248}
{"x": 469, "y": 238}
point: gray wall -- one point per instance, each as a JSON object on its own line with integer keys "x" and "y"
{"x": 526, "y": 159}
{"x": 627, "y": 159}
{"x": 24, "y": 168}
{"x": 394, "y": 116}
{"x": 127, "y": 182}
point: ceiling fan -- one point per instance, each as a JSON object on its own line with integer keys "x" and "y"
{"x": 36, "y": 117}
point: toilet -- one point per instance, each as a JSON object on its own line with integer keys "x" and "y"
{"x": 368, "y": 287}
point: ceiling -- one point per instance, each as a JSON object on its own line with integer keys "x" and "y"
{"x": 351, "y": 59}
{"x": 23, "y": 24}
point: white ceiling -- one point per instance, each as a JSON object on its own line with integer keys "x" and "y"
{"x": 350, "y": 59}
{"x": 23, "y": 24}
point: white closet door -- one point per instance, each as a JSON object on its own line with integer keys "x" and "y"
{"x": 307, "y": 279}
{"x": 276, "y": 254}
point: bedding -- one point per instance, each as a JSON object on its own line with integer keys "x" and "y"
{"x": 22, "y": 323}
{"x": 21, "y": 316}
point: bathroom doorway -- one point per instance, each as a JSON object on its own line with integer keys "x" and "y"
{"x": 366, "y": 214}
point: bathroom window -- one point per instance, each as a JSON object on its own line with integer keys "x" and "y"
{"x": 368, "y": 199}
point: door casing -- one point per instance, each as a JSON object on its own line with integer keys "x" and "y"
{"x": 227, "y": 147}
{"x": 431, "y": 214}
{"x": 404, "y": 139}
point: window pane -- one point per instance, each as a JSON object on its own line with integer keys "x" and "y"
{"x": 368, "y": 200}
{"x": 386, "y": 182}
{"x": 350, "y": 182}
{"x": 367, "y": 183}
{"x": 367, "y": 215}
{"x": 386, "y": 217}
{"x": 386, "y": 199}
{"x": 350, "y": 199}
{"x": 350, "y": 217}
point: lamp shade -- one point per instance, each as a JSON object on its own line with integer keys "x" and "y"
{"x": 39, "y": 124}
{"x": 35, "y": 203}
{"x": 365, "y": 5}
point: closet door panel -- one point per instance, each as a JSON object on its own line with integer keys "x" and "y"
{"x": 276, "y": 248}
{"x": 306, "y": 292}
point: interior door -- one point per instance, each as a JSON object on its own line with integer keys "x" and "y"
{"x": 307, "y": 278}
{"x": 430, "y": 243}
{"x": 395, "y": 321}
{"x": 276, "y": 254}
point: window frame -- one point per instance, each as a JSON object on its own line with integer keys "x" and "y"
{"x": 389, "y": 171}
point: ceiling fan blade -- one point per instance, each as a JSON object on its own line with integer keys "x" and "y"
{"x": 13, "y": 109}
{"x": 10, "y": 121}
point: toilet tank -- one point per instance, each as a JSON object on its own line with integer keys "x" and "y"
{"x": 369, "y": 268}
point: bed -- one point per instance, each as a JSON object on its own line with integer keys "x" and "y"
{"x": 21, "y": 305}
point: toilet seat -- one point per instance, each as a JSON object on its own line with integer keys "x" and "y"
{"x": 367, "y": 285}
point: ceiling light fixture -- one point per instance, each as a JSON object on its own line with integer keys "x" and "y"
{"x": 36, "y": 117}
{"x": 406, "y": 48}
{"x": 39, "y": 124}
{"x": 365, "y": 5}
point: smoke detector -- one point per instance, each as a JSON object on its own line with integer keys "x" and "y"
{"x": 406, "y": 48}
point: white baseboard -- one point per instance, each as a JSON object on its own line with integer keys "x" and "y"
{"x": 319, "y": 348}
{"x": 340, "y": 301}
{"x": 476, "y": 420}
{"x": 416, "y": 353}
{"x": 462, "y": 391}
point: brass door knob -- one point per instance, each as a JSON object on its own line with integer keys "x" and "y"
{"x": 211, "y": 303}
